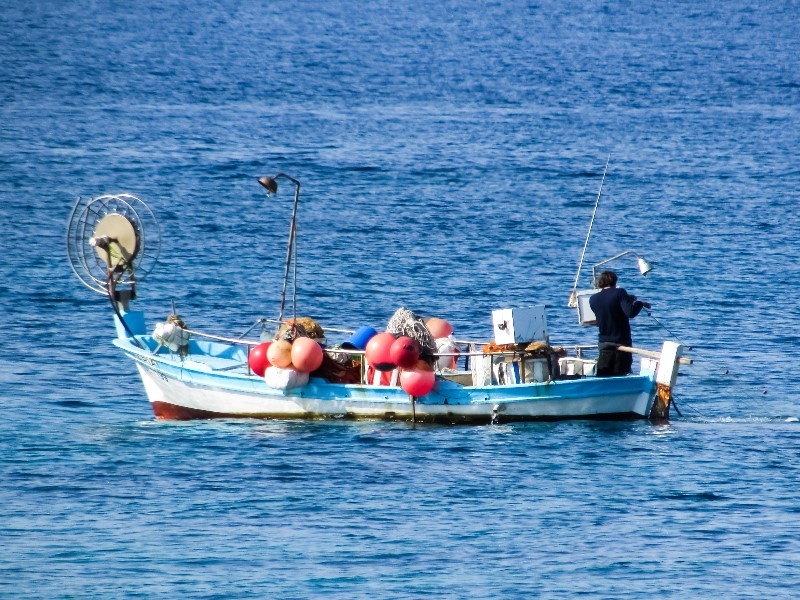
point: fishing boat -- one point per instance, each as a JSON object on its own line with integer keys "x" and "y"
{"x": 415, "y": 370}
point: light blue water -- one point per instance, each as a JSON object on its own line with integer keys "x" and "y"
{"x": 450, "y": 157}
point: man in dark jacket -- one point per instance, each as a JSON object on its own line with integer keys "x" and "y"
{"x": 614, "y": 307}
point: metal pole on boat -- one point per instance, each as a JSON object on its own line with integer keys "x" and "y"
{"x": 413, "y": 409}
{"x": 573, "y": 299}
{"x": 271, "y": 185}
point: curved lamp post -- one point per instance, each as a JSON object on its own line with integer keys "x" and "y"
{"x": 644, "y": 266}
{"x": 271, "y": 185}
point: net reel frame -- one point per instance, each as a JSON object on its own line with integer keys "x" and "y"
{"x": 95, "y": 254}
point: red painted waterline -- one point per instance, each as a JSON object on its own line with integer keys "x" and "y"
{"x": 167, "y": 411}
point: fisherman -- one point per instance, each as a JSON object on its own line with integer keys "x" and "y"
{"x": 614, "y": 307}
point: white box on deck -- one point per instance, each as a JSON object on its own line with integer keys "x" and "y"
{"x": 585, "y": 312}
{"x": 573, "y": 365}
{"x": 519, "y": 325}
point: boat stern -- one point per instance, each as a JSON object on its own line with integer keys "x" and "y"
{"x": 666, "y": 376}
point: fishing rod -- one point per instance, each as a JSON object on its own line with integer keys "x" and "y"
{"x": 649, "y": 313}
{"x": 573, "y": 300}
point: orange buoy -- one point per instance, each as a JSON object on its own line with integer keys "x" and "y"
{"x": 439, "y": 328}
{"x": 421, "y": 365}
{"x": 279, "y": 354}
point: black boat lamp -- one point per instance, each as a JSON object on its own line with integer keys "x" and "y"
{"x": 269, "y": 184}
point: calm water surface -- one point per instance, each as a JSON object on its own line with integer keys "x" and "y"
{"x": 450, "y": 157}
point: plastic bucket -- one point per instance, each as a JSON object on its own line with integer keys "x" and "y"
{"x": 358, "y": 341}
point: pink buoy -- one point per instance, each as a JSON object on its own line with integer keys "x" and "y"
{"x": 417, "y": 383}
{"x": 279, "y": 354}
{"x": 306, "y": 355}
{"x": 257, "y": 359}
{"x": 378, "y": 351}
{"x": 439, "y": 328}
{"x": 404, "y": 352}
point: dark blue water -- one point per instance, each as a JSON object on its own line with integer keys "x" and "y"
{"x": 450, "y": 156}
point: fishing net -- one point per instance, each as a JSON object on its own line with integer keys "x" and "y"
{"x": 300, "y": 327}
{"x": 290, "y": 332}
{"x": 405, "y": 322}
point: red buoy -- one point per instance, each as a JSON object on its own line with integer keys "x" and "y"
{"x": 257, "y": 359}
{"x": 404, "y": 352}
{"x": 378, "y": 351}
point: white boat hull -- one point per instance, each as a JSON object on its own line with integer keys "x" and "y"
{"x": 191, "y": 397}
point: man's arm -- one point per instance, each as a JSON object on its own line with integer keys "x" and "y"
{"x": 630, "y": 305}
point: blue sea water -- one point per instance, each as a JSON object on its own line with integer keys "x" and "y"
{"x": 450, "y": 156}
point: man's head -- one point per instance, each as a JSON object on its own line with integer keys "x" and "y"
{"x": 607, "y": 279}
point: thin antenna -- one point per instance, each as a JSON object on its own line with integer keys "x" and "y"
{"x": 573, "y": 300}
